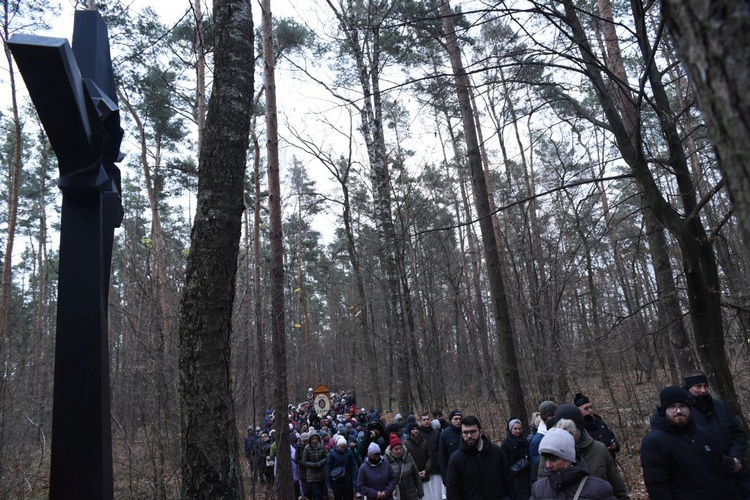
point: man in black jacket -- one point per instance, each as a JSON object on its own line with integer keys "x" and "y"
{"x": 714, "y": 416}
{"x": 679, "y": 459}
{"x": 478, "y": 470}
{"x": 433, "y": 485}
{"x": 599, "y": 429}
{"x": 449, "y": 441}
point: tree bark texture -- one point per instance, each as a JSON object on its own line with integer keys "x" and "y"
{"x": 506, "y": 343}
{"x": 278, "y": 324}
{"x": 210, "y": 453}
{"x": 711, "y": 38}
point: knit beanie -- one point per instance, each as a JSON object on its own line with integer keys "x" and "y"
{"x": 455, "y": 413}
{"x": 696, "y": 379}
{"x": 398, "y": 418}
{"x": 395, "y": 441}
{"x": 571, "y": 412}
{"x": 512, "y": 423}
{"x": 340, "y": 440}
{"x": 373, "y": 449}
{"x": 673, "y": 394}
{"x": 410, "y": 427}
{"x": 435, "y": 424}
{"x": 559, "y": 443}
{"x": 580, "y": 400}
{"x": 546, "y": 409}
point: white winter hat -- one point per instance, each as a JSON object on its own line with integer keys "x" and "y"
{"x": 373, "y": 449}
{"x": 560, "y": 443}
{"x": 340, "y": 440}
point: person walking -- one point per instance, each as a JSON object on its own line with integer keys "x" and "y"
{"x": 567, "y": 473}
{"x": 681, "y": 460}
{"x": 341, "y": 470}
{"x": 314, "y": 460}
{"x": 515, "y": 447}
{"x": 714, "y": 416}
{"x": 408, "y": 480}
{"x": 375, "y": 479}
{"x": 478, "y": 470}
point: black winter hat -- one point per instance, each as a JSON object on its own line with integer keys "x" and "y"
{"x": 580, "y": 400}
{"x": 571, "y": 412}
{"x": 454, "y": 413}
{"x": 673, "y": 394}
{"x": 410, "y": 426}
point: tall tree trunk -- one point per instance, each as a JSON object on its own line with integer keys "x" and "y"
{"x": 709, "y": 35}
{"x": 260, "y": 336}
{"x": 506, "y": 342}
{"x": 703, "y": 286}
{"x": 6, "y": 285}
{"x": 278, "y": 324}
{"x": 369, "y": 66}
{"x": 210, "y": 453}
{"x": 200, "y": 71}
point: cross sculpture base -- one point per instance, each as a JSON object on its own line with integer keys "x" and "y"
{"x": 73, "y": 91}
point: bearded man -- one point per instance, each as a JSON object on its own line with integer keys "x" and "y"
{"x": 679, "y": 459}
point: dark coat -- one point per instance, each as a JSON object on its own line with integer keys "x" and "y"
{"x": 603, "y": 433}
{"x": 314, "y": 461}
{"x": 346, "y": 460}
{"x": 449, "y": 441}
{"x": 420, "y": 452}
{"x": 731, "y": 438}
{"x": 563, "y": 484}
{"x": 515, "y": 449}
{"x": 682, "y": 463}
{"x": 432, "y": 438}
{"x": 600, "y": 464}
{"x": 376, "y": 477}
{"x": 478, "y": 475}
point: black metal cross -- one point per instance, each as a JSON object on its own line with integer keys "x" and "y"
{"x": 73, "y": 91}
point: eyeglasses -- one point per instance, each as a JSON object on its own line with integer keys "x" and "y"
{"x": 470, "y": 432}
{"x": 678, "y": 407}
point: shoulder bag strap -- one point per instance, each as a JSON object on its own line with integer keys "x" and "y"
{"x": 580, "y": 487}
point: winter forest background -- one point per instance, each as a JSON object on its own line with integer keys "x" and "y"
{"x": 556, "y": 223}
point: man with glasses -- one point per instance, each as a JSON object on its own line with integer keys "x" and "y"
{"x": 680, "y": 459}
{"x": 478, "y": 470}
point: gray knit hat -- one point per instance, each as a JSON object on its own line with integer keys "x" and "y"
{"x": 373, "y": 449}
{"x": 546, "y": 409}
{"x": 559, "y": 443}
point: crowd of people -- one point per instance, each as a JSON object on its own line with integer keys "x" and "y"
{"x": 694, "y": 450}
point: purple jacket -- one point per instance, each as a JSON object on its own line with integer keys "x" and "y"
{"x": 373, "y": 478}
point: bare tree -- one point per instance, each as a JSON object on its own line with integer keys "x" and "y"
{"x": 210, "y": 455}
{"x": 278, "y": 324}
{"x": 506, "y": 342}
